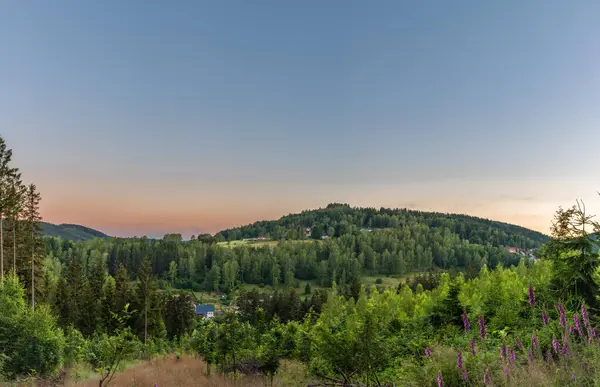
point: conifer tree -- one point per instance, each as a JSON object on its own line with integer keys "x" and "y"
{"x": 6, "y": 173}
{"x": 16, "y": 195}
{"x": 95, "y": 281}
{"x": 108, "y": 305}
{"x": 77, "y": 293}
{"x": 34, "y": 243}
{"x": 145, "y": 291}
{"x": 123, "y": 291}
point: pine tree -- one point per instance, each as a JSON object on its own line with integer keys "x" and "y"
{"x": 95, "y": 280}
{"x": 108, "y": 305}
{"x": 33, "y": 241}
{"x": 77, "y": 313}
{"x": 6, "y": 174}
{"x": 16, "y": 196}
{"x": 145, "y": 288}
{"x": 122, "y": 289}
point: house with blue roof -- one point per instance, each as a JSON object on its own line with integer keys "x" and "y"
{"x": 206, "y": 311}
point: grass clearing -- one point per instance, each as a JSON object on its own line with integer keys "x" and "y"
{"x": 262, "y": 243}
{"x": 190, "y": 371}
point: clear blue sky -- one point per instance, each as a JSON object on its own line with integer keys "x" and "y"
{"x": 142, "y": 117}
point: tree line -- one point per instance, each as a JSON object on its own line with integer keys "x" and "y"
{"x": 21, "y": 246}
{"x": 218, "y": 267}
{"x": 337, "y": 220}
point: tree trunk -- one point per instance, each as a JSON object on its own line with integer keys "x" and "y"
{"x": 146, "y": 322}
{"x": 2, "y": 246}
{"x": 32, "y": 274}
{"x": 15, "y": 248}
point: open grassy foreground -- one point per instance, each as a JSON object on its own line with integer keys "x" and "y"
{"x": 190, "y": 371}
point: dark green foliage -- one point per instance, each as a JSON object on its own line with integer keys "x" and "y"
{"x": 574, "y": 251}
{"x": 29, "y": 340}
{"x": 347, "y": 220}
{"x": 72, "y": 232}
{"x": 179, "y": 314}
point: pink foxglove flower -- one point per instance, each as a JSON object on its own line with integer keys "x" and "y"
{"x": 482, "y": 331}
{"x": 466, "y": 323}
{"x": 531, "y": 295}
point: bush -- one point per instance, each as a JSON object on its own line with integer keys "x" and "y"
{"x": 379, "y": 281}
{"x": 76, "y": 347}
{"x": 30, "y": 340}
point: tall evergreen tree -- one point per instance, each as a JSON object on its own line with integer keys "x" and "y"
{"x": 16, "y": 195}
{"x": 108, "y": 305}
{"x": 77, "y": 314}
{"x": 6, "y": 174}
{"x": 123, "y": 292}
{"x": 34, "y": 242}
{"x": 95, "y": 279}
{"x": 145, "y": 289}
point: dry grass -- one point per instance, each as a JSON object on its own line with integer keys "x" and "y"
{"x": 189, "y": 371}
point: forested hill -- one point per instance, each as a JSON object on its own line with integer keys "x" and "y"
{"x": 72, "y": 232}
{"x": 340, "y": 219}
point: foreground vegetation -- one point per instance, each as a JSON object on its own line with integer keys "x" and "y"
{"x": 478, "y": 315}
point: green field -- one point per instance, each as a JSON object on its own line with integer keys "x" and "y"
{"x": 258, "y": 243}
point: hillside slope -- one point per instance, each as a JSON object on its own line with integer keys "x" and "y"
{"x": 72, "y": 232}
{"x": 339, "y": 219}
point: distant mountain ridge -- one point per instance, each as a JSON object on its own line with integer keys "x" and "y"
{"x": 72, "y": 232}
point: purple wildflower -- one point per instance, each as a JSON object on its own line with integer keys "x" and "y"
{"x": 440, "y": 380}
{"x": 512, "y": 357}
{"x": 563, "y": 315}
{"x": 555, "y": 344}
{"x": 486, "y": 378}
{"x": 427, "y": 352}
{"x": 506, "y": 371}
{"x": 482, "y": 331}
{"x": 565, "y": 349}
{"x": 534, "y": 341}
{"x": 586, "y": 320}
{"x": 503, "y": 351}
{"x": 531, "y": 295}
{"x": 548, "y": 356}
{"x": 466, "y": 322}
{"x": 518, "y": 344}
{"x": 530, "y": 356}
{"x": 594, "y": 333}
{"x": 544, "y": 317}
{"x": 571, "y": 329}
{"x": 464, "y": 375}
{"x": 459, "y": 360}
{"x": 472, "y": 347}
{"x": 577, "y": 325}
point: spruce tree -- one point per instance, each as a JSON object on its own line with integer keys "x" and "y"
{"x": 34, "y": 243}
{"x": 16, "y": 195}
{"x": 123, "y": 291}
{"x": 77, "y": 314}
{"x": 108, "y": 305}
{"x": 6, "y": 174}
{"x": 95, "y": 283}
{"x": 146, "y": 287}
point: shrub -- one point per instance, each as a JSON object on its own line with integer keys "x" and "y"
{"x": 30, "y": 340}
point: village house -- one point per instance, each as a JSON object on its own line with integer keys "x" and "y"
{"x": 206, "y": 311}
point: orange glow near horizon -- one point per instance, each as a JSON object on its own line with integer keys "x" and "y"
{"x": 138, "y": 213}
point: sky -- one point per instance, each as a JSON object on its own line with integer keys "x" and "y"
{"x": 148, "y": 117}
